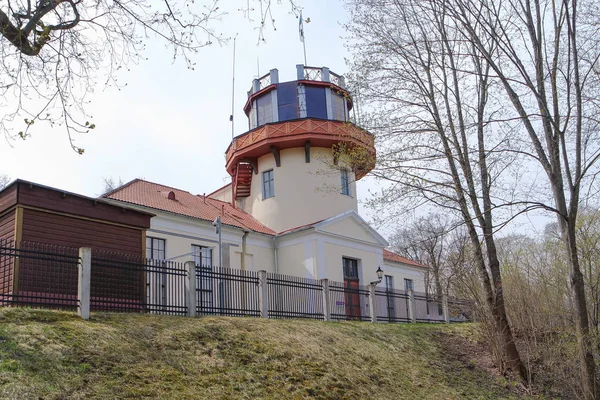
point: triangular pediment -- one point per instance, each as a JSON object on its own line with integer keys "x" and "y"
{"x": 352, "y": 226}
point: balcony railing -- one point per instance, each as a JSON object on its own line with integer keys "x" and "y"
{"x": 264, "y": 81}
{"x": 316, "y": 74}
{"x": 320, "y": 75}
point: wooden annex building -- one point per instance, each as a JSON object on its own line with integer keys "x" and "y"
{"x": 31, "y": 214}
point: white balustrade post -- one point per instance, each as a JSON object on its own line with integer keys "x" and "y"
{"x": 300, "y": 72}
{"x": 445, "y": 309}
{"x": 263, "y": 296}
{"x": 325, "y": 74}
{"x": 84, "y": 282}
{"x": 274, "y": 76}
{"x": 190, "y": 288}
{"x": 326, "y": 300}
{"x": 411, "y": 306}
{"x": 372, "y": 302}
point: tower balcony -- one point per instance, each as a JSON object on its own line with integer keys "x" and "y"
{"x": 306, "y": 132}
{"x": 312, "y": 111}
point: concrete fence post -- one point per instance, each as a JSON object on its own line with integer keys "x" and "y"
{"x": 372, "y": 302}
{"x": 411, "y": 306}
{"x": 263, "y": 295}
{"x": 326, "y": 300}
{"x": 190, "y": 288}
{"x": 445, "y": 309}
{"x": 84, "y": 282}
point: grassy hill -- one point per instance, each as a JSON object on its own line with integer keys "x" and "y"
{"x": 55, "y": 355}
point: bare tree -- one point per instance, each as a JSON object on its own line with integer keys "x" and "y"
{"x": 436, "y": 125}
{"x": 110, "y": 184}
{"x": 428, "y": 240}
{"x": 4, "y": 180}
{"x": 54, "y": 52}
{"x": 545, "y": 56}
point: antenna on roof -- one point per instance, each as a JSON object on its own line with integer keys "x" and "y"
{"x": 233, "y": 89}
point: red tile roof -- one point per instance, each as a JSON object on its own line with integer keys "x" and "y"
{"x": 159, "y": 197}
{"x": 389, "y": 256}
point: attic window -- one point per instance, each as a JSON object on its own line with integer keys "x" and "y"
{"x": 169, "y": 195}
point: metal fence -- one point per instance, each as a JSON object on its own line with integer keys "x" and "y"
{"x": 392, "y": 305}
{"x": 38, "y": 275}
{"x": 125, "y": 283}
{"x": 225, "y": 291}
{"x": 349, "y": 301}
{"x": 41, "y": 275}
{"x": 294, "y": 297}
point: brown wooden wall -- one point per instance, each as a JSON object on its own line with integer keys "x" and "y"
{"x": 7, "y": 226}
{"x": 73, "y": 204}
{"x": 62, "y": 230}
{"x": 48, "y": 218}
{"x": 8, "y": 197}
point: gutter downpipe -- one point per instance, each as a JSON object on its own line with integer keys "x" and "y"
{"x": 243, "y": 260}
{"x": 275, "y": 257}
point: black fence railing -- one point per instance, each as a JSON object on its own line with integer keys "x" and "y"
{"x": 392, "y": 305}
{"x": 41, "y": 275}
{"x": 294, "y": 297}
{"x": 38, "y": 275}
{"x": 349, "y": 301}
{"x": 123, "y": 283}
{"x": 224, "y": 291}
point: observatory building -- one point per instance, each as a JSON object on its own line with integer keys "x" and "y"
{"x": 291, "y": 205}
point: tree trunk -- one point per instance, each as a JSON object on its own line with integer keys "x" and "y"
{"x": 499, "y": 312}
{"x": 588, "y": 366}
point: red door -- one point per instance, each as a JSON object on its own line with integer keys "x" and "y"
{"x": 351, "y": 288}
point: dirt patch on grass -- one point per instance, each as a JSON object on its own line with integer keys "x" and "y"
{"x": 466, "y": 349}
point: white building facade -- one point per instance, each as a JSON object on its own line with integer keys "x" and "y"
{"x": 291, "y": 207}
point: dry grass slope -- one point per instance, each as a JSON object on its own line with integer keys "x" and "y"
{"x": 54, "y": 355}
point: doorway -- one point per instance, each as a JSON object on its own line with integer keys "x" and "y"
{"x": 351, "y": 288}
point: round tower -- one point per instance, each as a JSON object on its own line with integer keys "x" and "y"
{"x": 290, "y": 168}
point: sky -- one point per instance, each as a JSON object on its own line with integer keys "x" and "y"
{"x": 170, "y": 124}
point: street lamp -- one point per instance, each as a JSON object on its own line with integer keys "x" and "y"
{"x": 379, "y": 273}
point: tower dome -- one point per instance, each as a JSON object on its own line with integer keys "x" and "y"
{"x": 286, "y": 170}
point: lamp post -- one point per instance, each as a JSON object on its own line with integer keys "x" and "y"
{"x": 372, "y": 294}
{"x": 379, "y": 273}
{"x": 217, "y": 225}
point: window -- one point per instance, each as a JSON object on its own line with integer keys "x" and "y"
{"x": 251, "y": 121}
{"x": 345, "y": 182}
{"x": 264, "y": 109}
{"x": 338, "y": 108}
{"x": 202, "y": 256}
{"x": 155, "y": 248}
{"x": 287, "y": 99}
{"x": 350, "y": 268}
{"x": 389, "y": 288}
{"x": 316, "y": 103}
{"x": 268, "y": 185}
{"x": 389, "y": 283}
{"x": 408, "y": 284}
